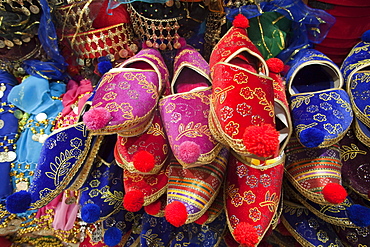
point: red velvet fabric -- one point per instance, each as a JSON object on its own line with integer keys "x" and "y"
{"x": 352, "y": 20}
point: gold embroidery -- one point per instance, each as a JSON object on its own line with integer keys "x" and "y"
{"x": 299, "y": 100}
{"x": 270, "y": 201}
{"x": 347, "y": 152}
{"x": 192, "y": 131}
{"x": 221, "y": 94}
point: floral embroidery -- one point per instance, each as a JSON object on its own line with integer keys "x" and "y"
{"x": 352, "y": 237}
{"x": 170, "y": 107}
{"x": 326, "y": 106}
{"x": 244, "y": 109}
{"x": 76, "y": 142}
{"x": 261, "y": 95}
{"x": 249, "y": 197}
{"x": 338, "y": 114}
{"x": 232, "y": 128}
{"x": 319, "y": 117}
{"x": 259, "y": 229}
{"x": 234, "y": 221}
{"x": 133, "y": 94}
{"x": 237, "y": 200}
{"x": 127, "y": 110}
{"x": 252, "y": 181}
{"x": 313, "y": 223}
{"x": 265, "y": 180}
{"x": 246, "y": 93}
{"x": 312, "y": 108}
{"x": 94, "y": 183}
{"x": 175, "y": 117}
{"x": 226, "y": 112}
{"x": 109, "y": 96}
{"x": 254, "y": 214}
{"x": 322, "y": 236}
{"x": 333, "y": 129}
{"x": 124, "y": 85}
{"x": 363, "y": 231}
{"x": 129, "y": 76}
{"x": 324, "y": 96}
{"x": 240, "y": 78}
{"x": 112, "y": 107}
{"x": 109, "y": 87}
{"x": 241, "y": 171}
{"x": 257, "y": 120}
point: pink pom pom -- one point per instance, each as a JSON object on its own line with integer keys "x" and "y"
{"x": 189, "y": 152}
{"x": 96, "y": 118}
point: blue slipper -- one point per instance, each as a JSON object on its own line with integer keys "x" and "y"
{"x": 356, "y": 73}
{"x": 321, "y": 110}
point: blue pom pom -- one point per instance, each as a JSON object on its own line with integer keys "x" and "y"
{"x": 19, "y": 202}
{"x": 359, "y": 215}
{"x": 112, "y": 236}
{"x": 104, "y": 58}
{"x": 366, "y": 36}
{"x": 104, "y": 66}
{"x": 311, "y": 137}
{"x": 90, "y": 213}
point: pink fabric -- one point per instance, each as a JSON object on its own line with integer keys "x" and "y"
{"x": 65, "y": 214}
{"x": 74, "y": 90}
{"x": 52, "y": 205}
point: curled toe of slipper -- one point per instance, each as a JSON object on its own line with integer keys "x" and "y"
{"x": 176, "y": 213}
{"x": 133, "y": 200}
{"x": 18, "y": 202}
{"x": 90, "y": 213}
{"x": 334, "y": 193}
{"x": 96, "y": 118}
{"x": 312, "y": 137}
{"x": 262, "y": 141}
{"x": 189, "y": 152}
{"x": 246, "y": 234}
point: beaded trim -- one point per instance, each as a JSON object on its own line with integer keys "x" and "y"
{"x": 73, "y": 14}
{"x": 116, "y": 40}
{"x": 157, "y": 33}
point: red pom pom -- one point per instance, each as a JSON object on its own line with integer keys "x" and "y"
{"x": 189, "y": 152}
{"x": 143, "y": 161}
{"x": 153, "y": 208}
{"x": 202, "y": 219}
{"x": 96, "y": 118}
{"x": 334, "y": 193}
{"x": 176, "y": 213}
{"x": 275, "y": 65}
{"x": 241, "y": 21}
{"x": 262, "y": 141}
{"x": 133, "y": 200}
{"x": 246, "y": 234}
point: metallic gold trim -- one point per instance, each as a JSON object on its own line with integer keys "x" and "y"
{"x": 82, "y": 176}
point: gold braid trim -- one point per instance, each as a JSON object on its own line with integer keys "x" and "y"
{"x": 330, "y": 219}
{"x": 82, "y": 176}
{"x": 315, "y": 197}
{"x": 295, "y": 234}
